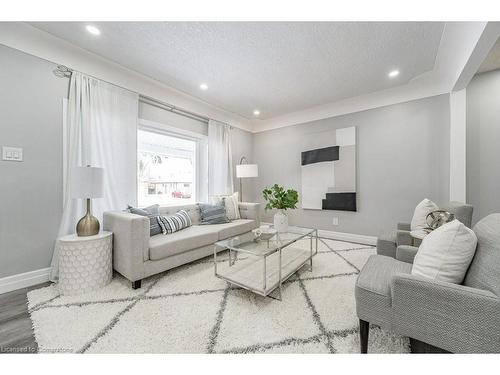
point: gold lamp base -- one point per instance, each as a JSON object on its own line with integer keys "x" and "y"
{"x": 87, "y": 225}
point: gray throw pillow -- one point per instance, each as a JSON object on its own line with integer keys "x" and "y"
{"x": 151, "y": 212}
{"x": 213, "y": 214}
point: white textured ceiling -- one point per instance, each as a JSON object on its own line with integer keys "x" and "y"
{"x": 276, "y": 67}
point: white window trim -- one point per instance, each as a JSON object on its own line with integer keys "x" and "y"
{"x": 201, "y": 148}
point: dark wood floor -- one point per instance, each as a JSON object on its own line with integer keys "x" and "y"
{"x": 16, "y": 333}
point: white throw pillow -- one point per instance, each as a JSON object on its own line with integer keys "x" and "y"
{"x": 421, "y": 211}
{"x": 445, "y": 253}
{"x": 232, "y": 208}
{"x": 230, "y": 203}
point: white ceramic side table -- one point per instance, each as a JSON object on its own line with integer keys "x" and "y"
{"x": 85, "y": 263}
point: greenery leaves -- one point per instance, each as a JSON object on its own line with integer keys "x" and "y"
{"x": 277, "y": 197}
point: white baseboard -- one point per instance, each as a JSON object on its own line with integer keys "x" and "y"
{"x": 342, "y": 236}
{"x": 23, "y": 280}
{"x": 348, "y": 237}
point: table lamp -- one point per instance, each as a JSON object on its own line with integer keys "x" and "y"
{"x": 244, "y": 170}
{"x": 87, "y": 183}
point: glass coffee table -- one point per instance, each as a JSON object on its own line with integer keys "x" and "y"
{"x": 262, "y": 266}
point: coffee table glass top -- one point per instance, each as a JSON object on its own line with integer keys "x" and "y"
{"x": 249, "y": 243}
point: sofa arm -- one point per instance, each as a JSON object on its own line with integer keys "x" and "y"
{"x": 250, "y": 211}
{"x": 404, "y": 226}
{"x": 130, "y": 242}
{"x": 406, "y": 253}
{"x": 453, "y": 317}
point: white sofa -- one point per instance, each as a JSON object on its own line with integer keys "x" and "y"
{"x": 137, "y": 255}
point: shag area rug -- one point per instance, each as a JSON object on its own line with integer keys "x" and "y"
{"x": 189, "y": 310}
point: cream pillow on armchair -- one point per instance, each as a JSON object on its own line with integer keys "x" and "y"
{"x": 424, "y": 208}
{"x": 446, "y": 253}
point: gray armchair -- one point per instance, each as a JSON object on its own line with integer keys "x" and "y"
{"x": 456, "y": 318}
{"x": 388, "y": 241}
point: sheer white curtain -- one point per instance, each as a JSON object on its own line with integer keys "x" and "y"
{"x": 220, "y": 164}
{"x": 100, "y": 129}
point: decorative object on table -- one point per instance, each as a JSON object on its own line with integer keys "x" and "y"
{"x": 279, "y": 198}
{"x": 329, "y": 170}
{"x": 87, "y": 183}
{"x": 212, "y": 214}
{"x": 85, "y": 263}
{"x": 437, "y": 218}
{"x": 245, "y": 170}
{"x": 264, "y": 233}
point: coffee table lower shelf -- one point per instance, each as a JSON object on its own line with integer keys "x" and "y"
{"x": 261, "y": 274}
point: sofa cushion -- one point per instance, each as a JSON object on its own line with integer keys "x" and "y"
{"x": 420, "y": 214}
{"x": 234, "y": 228}
{"x": 163, "y": 246}
{"x": 373, "y": 289}
{"x": 192, "y": 209}
{"x": 151, "y": 212}
{"x": 212, "y": 214}
{"x": 446, "y": 253}
{"x": 174, "y": 223}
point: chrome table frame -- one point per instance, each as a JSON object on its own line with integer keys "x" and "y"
{"x": 312, "y": 234}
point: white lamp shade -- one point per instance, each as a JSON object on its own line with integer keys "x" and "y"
{"x": 247, "y": 170}
{"x": 86, "y": 182}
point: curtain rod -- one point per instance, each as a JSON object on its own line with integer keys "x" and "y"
{"x": 65, "y": 72}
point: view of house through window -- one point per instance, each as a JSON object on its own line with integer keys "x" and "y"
{"x": 166, "y": 169}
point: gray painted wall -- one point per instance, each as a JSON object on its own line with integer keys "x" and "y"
{"x": 483, "y": 144}
{"x": 30, "y": 191}
{"x": 403, "y": 157}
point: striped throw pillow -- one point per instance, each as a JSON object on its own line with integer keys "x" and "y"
{"x": 174, "y": 223}
{"x": 213, "y": 214}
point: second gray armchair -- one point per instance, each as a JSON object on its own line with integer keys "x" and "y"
{"x": 388, "y": 241}
{"x": 456, "y": 318}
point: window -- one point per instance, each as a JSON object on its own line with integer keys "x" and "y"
{"x": 167, "y": 168}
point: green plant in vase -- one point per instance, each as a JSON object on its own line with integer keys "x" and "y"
{"x": 278, "y": 198}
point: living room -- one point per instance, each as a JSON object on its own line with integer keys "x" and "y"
{"x": 249, "y": 187}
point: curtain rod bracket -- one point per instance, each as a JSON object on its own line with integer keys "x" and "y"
{"x": 62, "y": 71}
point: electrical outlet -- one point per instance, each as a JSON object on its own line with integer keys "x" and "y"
{"x": 12, "y": 153}
{"x": 335, "y": 220}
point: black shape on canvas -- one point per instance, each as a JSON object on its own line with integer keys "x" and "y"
{"x": 340, "y": 202}
{"x": 320, "y": 154}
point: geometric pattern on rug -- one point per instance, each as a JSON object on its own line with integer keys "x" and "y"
{"x": 189, "y": 310}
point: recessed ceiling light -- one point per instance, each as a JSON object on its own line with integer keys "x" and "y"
{"x": 93, "y": 30}
{"x": 393, "y": 73}
{"x": 204, "y": 86}
{"x": 256, "y": 112}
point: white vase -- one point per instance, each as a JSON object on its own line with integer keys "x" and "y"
{"x": 281, "y": 221}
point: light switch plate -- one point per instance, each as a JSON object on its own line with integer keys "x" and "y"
{"x": 335, "y": 220}
{"x": 12, "y": 153}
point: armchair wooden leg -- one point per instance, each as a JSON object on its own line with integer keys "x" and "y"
{"x": 136, "y": 284}
{"x": 364, "y": 329}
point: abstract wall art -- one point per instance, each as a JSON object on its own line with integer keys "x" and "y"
{"x": 328, "y": 165}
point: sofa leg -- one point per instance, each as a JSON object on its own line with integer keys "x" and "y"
{"x": 136, "y": 284}
{"x": 364, "y": 329}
